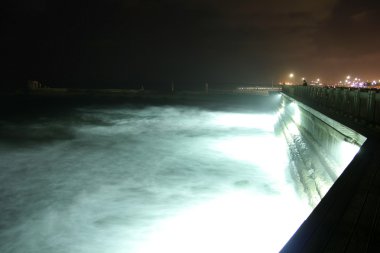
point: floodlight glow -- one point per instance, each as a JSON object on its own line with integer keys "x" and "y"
{"x": 238, "y": 221}
{"x": 267, "y": 152}
{"x": 283, "y": 104}
{"x": 280, "y": 112}
{"x": 292, "y": 128}
{"x": 296, "y": 113}
{"x": 239, "y": 120}
{"x": 291, "y": 75}
{"x": 346, "y": 150}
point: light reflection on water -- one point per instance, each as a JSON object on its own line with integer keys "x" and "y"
{"x": 153, "y": 179}
{"x": 238, "y": 221}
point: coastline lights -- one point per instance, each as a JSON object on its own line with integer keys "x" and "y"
{"x": 316, "y": 81}
{"x": 347, "y": 80}
{"x": 354, "y": 82}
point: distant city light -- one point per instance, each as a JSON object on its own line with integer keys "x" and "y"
{"x": 348, "y": 81}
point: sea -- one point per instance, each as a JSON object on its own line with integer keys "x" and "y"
{"x": 187, "y": 175}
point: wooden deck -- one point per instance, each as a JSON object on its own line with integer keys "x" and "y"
{"x": 347, "y": 219}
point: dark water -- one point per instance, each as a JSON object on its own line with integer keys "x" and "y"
{"x": 174, "y": 177}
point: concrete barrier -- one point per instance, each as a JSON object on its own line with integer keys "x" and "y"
{"x": 320, "y": 147}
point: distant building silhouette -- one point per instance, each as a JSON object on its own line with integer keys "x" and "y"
{"x": 33, "y": 84}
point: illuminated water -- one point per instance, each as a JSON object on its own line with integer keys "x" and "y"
{"x": 147, "y": 179}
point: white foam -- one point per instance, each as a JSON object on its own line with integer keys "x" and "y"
{"x": 128, "y": 185}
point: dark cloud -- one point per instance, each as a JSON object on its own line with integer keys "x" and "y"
{"x": 354, "y": 27}
{"x": 129, "y": 42}
{"x": 348, "y": 41}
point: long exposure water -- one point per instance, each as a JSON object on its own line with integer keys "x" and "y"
{"x": 153, "y": 178}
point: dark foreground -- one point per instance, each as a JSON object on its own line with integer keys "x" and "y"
{"x": 347, "y": 219}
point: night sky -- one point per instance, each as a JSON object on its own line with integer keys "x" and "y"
{"x": 115, "y": 43}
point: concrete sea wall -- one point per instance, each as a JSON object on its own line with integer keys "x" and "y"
{"x": 347, "y": 219}
{"x": 320, "y": 147}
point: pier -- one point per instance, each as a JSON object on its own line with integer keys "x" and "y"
{"x": 347, "y": 219}
{"x": 356, "y": 108}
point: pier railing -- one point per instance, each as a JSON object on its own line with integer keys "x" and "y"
{"x": 359, "y": 104}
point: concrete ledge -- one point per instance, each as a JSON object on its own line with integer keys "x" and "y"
{"x": 351, "y": 134}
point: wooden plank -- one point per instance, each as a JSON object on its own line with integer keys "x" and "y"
{"x": 345, "y": 212}
{"x": 374, "y": 243}
{"x": 359, "y": 242}
{"x": 313, "y": 233}
{"x": 355, "y": 213}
